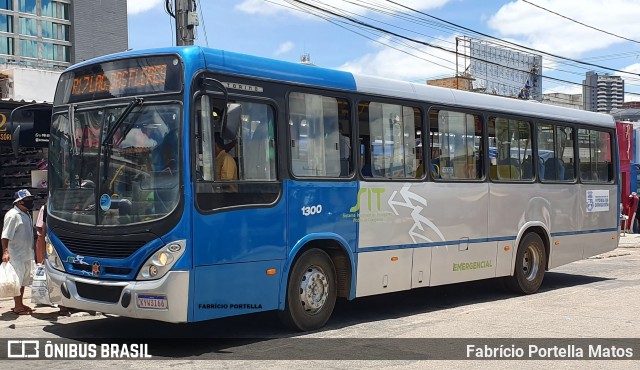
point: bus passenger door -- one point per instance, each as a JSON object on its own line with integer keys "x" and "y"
{"x": 239, "y": 221}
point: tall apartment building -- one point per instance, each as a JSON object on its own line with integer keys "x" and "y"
{"x": 602, "y": 93}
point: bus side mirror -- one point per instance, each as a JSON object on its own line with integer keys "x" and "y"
{"x": 30, "y": 126}
{"x": 232, "y": 121}
{"x": 15, "y": 141}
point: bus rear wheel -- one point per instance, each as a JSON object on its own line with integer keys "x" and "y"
{"x": 531, "y": 260}
{"x": 311, "y": 291}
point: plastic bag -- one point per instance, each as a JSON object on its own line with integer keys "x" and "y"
{"x": 9, "y": 281}
{"x": 40, "y": 286}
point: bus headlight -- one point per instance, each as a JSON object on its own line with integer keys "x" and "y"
{"x": 52, "y": 255}
{"x": 162, "y": 261}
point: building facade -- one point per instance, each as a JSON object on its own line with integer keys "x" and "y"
{"x": 458, "y": 83}
{"x": 58, "y": 33}
{"x": 602, "y": 93}
{"x": 564, "y": 100}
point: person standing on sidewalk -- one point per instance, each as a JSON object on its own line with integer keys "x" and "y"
{"x": 17, "y": 244}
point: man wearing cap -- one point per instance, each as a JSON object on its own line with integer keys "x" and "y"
{"x": 17, "y": 244}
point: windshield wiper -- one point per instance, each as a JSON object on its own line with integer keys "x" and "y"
{"x": 107, "y": 142}
{"x": 112, "y": 130}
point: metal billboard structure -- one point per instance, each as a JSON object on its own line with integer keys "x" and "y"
{"x": 495, "y": 69}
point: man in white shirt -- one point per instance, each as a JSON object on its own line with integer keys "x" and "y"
{"x": 17, "y": 244}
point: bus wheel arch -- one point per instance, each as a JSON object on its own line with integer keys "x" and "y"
{"x": 531, "y": 262}
{"x": 328, "y": 265}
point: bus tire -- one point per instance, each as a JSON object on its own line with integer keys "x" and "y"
{"x": 311, "y": 292}
{"x": 531, "y": 260}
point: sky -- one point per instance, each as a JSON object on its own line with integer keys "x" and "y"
{"x": 278, "y": 29}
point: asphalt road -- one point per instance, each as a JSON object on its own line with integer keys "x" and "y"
{"x": 589, "y": 299}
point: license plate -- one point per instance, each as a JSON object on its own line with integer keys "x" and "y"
{"x": 158, "y": 302}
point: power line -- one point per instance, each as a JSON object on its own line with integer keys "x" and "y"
{"x": 580, "y": 23}
{"x": 204, "y": 27}
{"x": 168, "y": 8}
{"x": 381, "y": 30}
{"x": 372, "y": 6}
{"x": 364, "y": 29}
{"x": 393, "y": 12}
{"x": 512, "y": 43}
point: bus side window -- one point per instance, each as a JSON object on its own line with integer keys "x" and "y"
{"x": 391, "y": 135}
{"x": 320, "y": 133}
{"x": 457, "y": 139}
{"x": 555, "y": 142}
{"x": 510, "y": 149}
{"x": 250, "y": 154}
{"x": 595, "y": 160}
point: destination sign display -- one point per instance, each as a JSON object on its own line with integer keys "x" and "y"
{"x": 143, "y": 78}
{"x": 128, "y": 77}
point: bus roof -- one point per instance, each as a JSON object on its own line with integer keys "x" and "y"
{"x": 242, "y": 64}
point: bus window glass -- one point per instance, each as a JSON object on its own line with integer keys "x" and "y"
{"x": 595, "y": 155}
{"x": 390, "y": 141}
{"x": 137, "y": 167}
{"x": 456, "y": 145}
{"x": 510, "y": 149}
{"x": 319, "y": 148}
{"x": 240, "y": 170}
{"x": 555, "y": 152}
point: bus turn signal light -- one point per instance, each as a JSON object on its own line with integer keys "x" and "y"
{"x": 507, "y": 248}
{"x": 271, "y": 271}
{"x": 394, "y": 259}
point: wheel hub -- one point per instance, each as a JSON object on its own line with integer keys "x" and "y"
{"x": 530, "y": 262}
{"x": 314, "y": 289}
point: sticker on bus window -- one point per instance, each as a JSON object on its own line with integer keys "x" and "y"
{"x": 105, "y": 202}
{"x": 446, "y": 171}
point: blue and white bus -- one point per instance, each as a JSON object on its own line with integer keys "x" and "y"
{"x": 142, "y": 223}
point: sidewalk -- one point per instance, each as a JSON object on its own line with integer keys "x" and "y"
{"x": 629, "y": 241}
{"x": 42, "y": 312}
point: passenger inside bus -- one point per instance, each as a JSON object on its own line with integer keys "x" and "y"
{"x": 226, "y": 167}
{"x": 553, "y": 169}
{"x": 435, "y": 163}
{"x": 345, "y": 148}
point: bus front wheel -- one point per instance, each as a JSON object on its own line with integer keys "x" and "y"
{"x": 531, "y": 260}
{"x": 311, "y": 291}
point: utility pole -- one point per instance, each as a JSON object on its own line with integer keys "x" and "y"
{"x": 186, "y": 22}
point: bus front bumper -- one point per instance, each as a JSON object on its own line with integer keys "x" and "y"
{"x": 165, "y": 299}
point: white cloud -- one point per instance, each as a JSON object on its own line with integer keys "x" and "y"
{"x": 631, "y": 80}
{"x": 281, "y": 6}
{"x": 634, "y": 68}
{"x": 284, "y": 48}
{"x": 392, "y": 63}
{"x": 140, "y": 6}
{"x": 545, "y": 31}
{"x": 260, "y": 7}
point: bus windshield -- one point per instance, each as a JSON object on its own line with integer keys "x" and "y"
{"x": 129, "y": 177}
